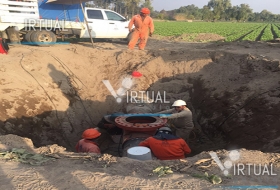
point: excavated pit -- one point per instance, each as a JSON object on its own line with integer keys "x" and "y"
{"x": 53, "y": 97}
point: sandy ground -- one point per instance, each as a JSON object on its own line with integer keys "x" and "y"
{"x": 52, "y": 94}
{"x": 69, "y": 170}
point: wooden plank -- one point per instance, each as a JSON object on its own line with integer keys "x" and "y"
{"x": 30, "y": 4}
{"x": 25, "y": 15}
{"x": 16, "y": 16}
{"x": 11, "y": 20}
{"x": 21, "y": 0}
{"x": 20, "y": 9}
{"x": 19, "y": 15}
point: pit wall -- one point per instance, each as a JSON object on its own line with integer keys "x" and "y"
{"x": 232, "y": 96}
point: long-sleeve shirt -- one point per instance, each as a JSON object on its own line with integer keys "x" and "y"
{"x": 87, "y": 146}
{"x": 182, "y": 119}
{"x": 142, "y": 26}
{"x": 167, "y": 149}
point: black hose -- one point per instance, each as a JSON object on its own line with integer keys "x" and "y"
{"x": 119, "y": 146}
{"x": 48, "y": 98}
{"x": 76, "y": 93}
{"x": 70, "y": 74}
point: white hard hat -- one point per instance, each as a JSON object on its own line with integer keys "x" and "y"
{"x": 179, "y": 103}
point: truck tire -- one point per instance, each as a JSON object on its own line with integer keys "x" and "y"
{"x": 43, "y": 38}
{"x": 27, "y": 36}
{"x": 13, "y": 35}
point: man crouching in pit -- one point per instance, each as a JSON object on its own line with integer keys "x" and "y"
{"x": 166, "y": 146}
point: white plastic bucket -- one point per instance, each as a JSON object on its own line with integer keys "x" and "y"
{"x": 139, "y": 153}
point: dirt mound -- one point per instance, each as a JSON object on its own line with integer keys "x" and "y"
{"x": 7, "y": 142}
{"x": 208, "y": 37}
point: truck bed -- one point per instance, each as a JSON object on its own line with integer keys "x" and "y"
{"x": 29, "y": 13}
{"x": 18, "y": 11}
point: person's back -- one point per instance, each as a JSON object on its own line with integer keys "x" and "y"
{"x": 166, "y": 146}
{"x": 87, "y": 144}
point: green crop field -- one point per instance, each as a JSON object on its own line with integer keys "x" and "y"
{"x": 230, "y": 31}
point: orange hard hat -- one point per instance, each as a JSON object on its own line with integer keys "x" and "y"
{"x": 145, "y": 11}
{"x": 91, "y": 134}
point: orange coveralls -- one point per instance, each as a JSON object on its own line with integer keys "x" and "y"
{"x": 167, "y": 149}
{"x": 87, "y": 146}
{"x": 141, "y": 30}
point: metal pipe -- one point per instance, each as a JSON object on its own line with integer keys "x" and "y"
{"x": 133, "y": 135}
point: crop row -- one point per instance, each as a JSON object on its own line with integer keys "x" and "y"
{"x": 243, "y": 29}
{"x": 220, "y": 28}
{"x": 278, "y": 25}
{"x": 241, "y": 33}
{"x": 255, "y": 34}
{"x": 276, "y": 30}
{"x": 231, "y": 31}
{"x": 267, "y": 34}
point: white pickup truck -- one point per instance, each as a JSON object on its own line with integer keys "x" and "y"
{"x": 40, "y": 22}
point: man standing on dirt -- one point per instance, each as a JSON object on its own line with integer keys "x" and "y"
{"x": 166, "y": 146}
{"x": 181, "y": 119}
{"x": 144, "y": 27}
{"x": 88, "y": 143}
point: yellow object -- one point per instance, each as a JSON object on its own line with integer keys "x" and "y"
{"x": 162, "y": 170}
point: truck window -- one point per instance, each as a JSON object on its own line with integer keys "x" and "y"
{"x": 94, "y": 14}
{"x": 113, "y": 16}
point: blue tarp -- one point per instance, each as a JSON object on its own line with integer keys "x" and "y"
{"x": 60, "y": 11}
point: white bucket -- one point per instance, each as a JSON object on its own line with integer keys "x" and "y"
{"x": 139, "y": 153}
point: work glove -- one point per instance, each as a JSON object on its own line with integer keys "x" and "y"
{"x": 151, "y": 34}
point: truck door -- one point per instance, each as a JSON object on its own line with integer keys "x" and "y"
{"x": 118, "y": 25}
{"x": 97, "y": 23}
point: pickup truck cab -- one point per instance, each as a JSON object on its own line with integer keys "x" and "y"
{"x": 105, "y": 24}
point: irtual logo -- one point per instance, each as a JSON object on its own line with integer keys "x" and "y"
{"x": 127, "y": 83}
{"x": 241, "y": 168}
{"x": 135, "y": 96}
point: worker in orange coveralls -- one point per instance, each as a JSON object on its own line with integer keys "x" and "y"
{"x": 142, "y": 23}
{"x": 88, "y": 144}
{"x": 166, "y": 146}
